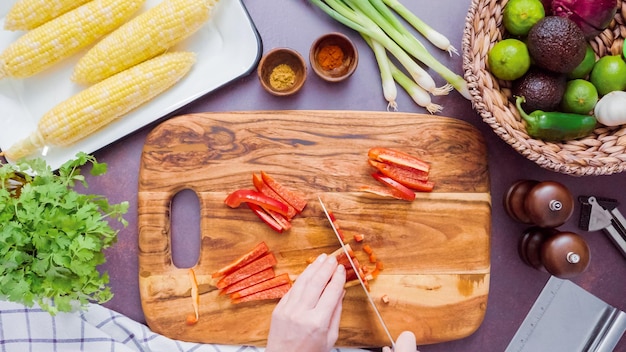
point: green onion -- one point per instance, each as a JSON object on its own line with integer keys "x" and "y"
{"x": 436, "y": 38}
{"x": 417, "y": 93}
{"x": 363, "y": 17}
{"x": 389, "y": 85}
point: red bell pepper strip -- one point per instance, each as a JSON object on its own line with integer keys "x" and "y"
{"x": 398, "y": 158}
{"x": 195, "y": 298}
{"x": 414, "y": 179}
{"x": 256, "y": 252}
{"x": 235, "y": 199}
{"x": 280, "y": 219}
{"x": 400, "y": 191}
{"x": 298, "y": 201}
{"x": 249, "y": 281}
{"x": 272, "y": 293}
{"x": 266, "y": 261}
{"x": 262, "y": 187}
{"x": 262, "y": 286}
{"x": 267, "y": 218}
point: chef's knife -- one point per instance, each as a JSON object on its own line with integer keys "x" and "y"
{"x": 358, "y": 276}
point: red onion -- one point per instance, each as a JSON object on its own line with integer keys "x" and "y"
{"x": 592, "y": 16}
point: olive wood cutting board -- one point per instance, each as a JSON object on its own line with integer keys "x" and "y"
{"x": 435, "y": 249}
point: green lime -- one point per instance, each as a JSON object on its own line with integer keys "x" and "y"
{"x": 583, "y": 69}
{"x": 580, "y": 97}
{"x": 520, "y": 15}
{"x": 508, "y": 59}
{"x": 609, "y": 74}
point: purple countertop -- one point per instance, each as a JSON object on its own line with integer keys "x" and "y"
{"x": 514, "y": 286}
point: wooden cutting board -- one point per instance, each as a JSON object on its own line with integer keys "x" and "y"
{"x": 435, "y": 249}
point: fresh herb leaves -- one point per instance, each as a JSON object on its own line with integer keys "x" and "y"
{"x": 52, "y": 237}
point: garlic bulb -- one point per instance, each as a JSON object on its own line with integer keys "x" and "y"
{"x": 610, "y": 110}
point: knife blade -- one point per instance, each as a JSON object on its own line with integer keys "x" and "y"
{"x": 358, "y": 276}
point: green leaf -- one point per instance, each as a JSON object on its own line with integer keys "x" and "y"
{"x": 53, "y": 236}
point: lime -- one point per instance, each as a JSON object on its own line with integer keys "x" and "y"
{"x": 609, "y": 74}
{"x": 583, "y": 69}
{"x": 580, "y": 97}
{"x": 520, "y": 15}
{"x": 509, "y": 59}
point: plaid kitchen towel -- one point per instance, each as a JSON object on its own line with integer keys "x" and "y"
{"x": 97, "y": 329}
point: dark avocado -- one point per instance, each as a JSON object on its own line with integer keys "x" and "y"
{"x": 542, "y": 89}
{"x": 557, "y": 44}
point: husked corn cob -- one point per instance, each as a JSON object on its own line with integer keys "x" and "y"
{"x": 102, "y": 103}
{"x": 64, "y": 36}
{"x": 28, "y": 14}
{"x": 143, "y": 37}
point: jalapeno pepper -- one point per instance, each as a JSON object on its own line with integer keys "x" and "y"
{"x": 556, "y": 126}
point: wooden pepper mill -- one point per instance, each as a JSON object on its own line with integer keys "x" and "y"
{"x": 544, "y": 204}
{"x": 562, "y": 254}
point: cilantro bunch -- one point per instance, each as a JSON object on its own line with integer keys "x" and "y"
{"x": 52, "y": 237}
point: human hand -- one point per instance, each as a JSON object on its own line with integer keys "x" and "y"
{"x": 307, "y": 318}
{"x": 404, "y": 343}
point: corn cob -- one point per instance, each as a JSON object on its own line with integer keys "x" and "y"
{"x": 63, "y": 36}
{"x": 143, "y": 37}
{"x": 29, "y": 14}
{"x": 102, "y": 103}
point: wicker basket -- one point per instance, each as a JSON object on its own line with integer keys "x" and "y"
{"x": 601, "y": 153}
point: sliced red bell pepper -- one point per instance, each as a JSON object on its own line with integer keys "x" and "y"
{"x": 280, "y": 219}
{"x": 272, "y": 293}
{"x": 298, "y": 201}
{"x": 262, "y": 286}
{"x": 267, "y": 218}
{"x": 235, "y": 199}
{"x": 256, "y": 252}
{"x": 249, "y": 281}
{"x": 399, "y": 190}
{"x": 266, "y": 261}
{"x": 398, "y": 158}
{"x": 414, "y": 179}
{"x": 262, "y": 187}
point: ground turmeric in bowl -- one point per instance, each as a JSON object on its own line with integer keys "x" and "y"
{"x": 282, "y": 77}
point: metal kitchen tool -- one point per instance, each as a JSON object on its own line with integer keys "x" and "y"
{"x": 566, "y": 318}
{"x": 602, "y": 214}
{"x": 358, "y": 276}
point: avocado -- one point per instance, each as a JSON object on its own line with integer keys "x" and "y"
{"x": 557, "y": 44}
{"x": 542, "y": 89}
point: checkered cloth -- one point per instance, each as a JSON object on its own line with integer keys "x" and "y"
{"x": 97, "y": 329}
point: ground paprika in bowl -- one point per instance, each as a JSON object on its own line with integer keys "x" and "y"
{"x": 333, "y": 57}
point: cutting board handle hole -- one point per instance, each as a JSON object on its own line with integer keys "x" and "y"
{"x": 185, "y": 229}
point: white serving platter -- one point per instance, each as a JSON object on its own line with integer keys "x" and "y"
{"x": 227, "y": 46}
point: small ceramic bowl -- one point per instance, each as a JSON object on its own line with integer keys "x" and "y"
{"x": 282, "y": 71}
{"x": 333, "y": 57}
